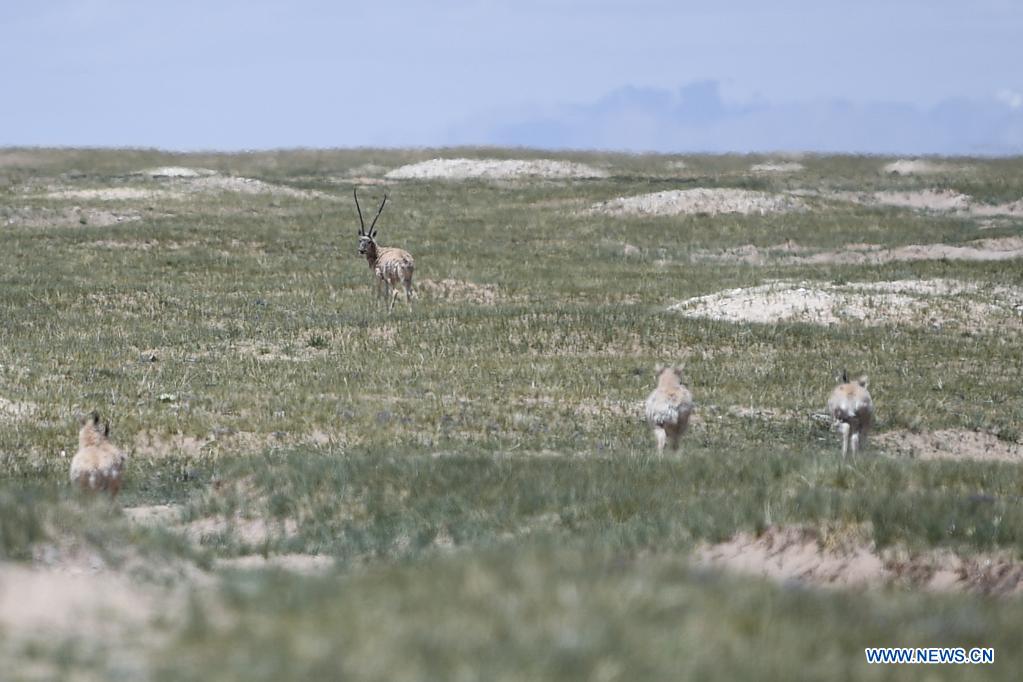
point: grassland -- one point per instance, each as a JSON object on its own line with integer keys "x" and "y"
{"x": 475, "y": 468}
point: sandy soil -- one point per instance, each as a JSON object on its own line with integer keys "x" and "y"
{"x": 935, "y": 302}
{"x": 700, "y": 200}
{"x": 54, "y": 601}
{"x": 805, "y": 555}
{"x": 464, "y": 169}
{"x": 955, "y": 444}
{"x": 1004, "y": 248}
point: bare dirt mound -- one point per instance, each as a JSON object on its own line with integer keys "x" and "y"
{"x": 936, "y": 302}
{"x": 465, "y": 169}
{"x": 956, "y": 444}
{"x": 806, "y": 555}
{"x": 700, "y": 200}
{"x": 790, "y": 253}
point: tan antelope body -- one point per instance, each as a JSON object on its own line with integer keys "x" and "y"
{"x": 390, "y": 265}
{"x": 852, "y": 409}
{"x": 98, "y": 464}
{"x": 669, "y": 407}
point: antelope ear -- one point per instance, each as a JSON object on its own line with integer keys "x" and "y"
{"x": 679, "y": 369}
{"x": 863, "y": 381}
{"x": 658, "y": 368}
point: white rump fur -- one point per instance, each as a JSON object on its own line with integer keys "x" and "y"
{"x": 668, "y": 407}
{"x": 852, "y": 409}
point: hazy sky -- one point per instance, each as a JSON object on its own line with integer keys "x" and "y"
{"x": 257, "y": 74}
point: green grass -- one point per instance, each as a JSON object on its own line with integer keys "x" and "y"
{"x": 509, "y": 431}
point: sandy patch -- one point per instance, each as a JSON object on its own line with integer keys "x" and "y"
{"x": 805, "y": 555}
{"x": 695, "y": 201}
{"x": 14, "y": 409}
{"x": 460, "y": 291}
{"x": 112, "y": 194}
{"x": 1012, "y": 208}
{"x": 956, "y": 444}
{"x": 465, "y": 169}
{"x": 935, "y": 302}
{"x": 789, "y": 253}
{"x": 777, "y": 167}
{"x": 916, "y": 167}
{"x": 52, "y": 601}
{"x": 31, "y": 216}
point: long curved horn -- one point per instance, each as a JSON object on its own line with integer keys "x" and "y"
{"x": 381, "y": 210}
{"x": 362, "y": 229}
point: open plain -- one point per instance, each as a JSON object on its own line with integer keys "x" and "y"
{"x": 465, "y": 488}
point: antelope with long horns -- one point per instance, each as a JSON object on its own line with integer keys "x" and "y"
{"x": 390, "y": 265}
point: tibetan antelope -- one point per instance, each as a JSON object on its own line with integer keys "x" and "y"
{"x": 390, "y": 265}
{"x": 853, "y": 411}
{"x": 668, "y": 407}
{"x": 98, "y": 464}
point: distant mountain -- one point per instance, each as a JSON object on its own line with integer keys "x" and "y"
{"x": 695, "y": 118}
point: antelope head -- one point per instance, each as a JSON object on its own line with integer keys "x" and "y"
{"x": 366, "y": 237}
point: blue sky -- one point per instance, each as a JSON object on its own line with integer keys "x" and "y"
{"x": 742, "y": 75}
